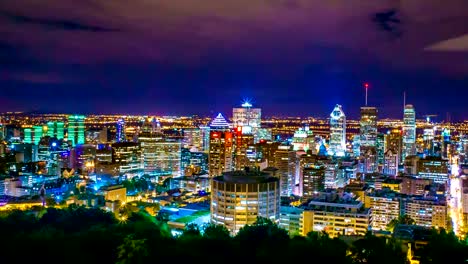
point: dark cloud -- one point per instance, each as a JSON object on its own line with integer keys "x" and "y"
{"x": 389, "y": 22}
{"x": 54, "y": 24}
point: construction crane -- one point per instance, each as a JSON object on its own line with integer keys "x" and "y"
{"x": 428, "y": 118}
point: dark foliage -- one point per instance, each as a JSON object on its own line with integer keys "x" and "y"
{"x": 80, "y": 235}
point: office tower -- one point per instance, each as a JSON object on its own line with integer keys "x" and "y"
{"x": 445, "y": 135}
{"x": 242, "y": 143}
{"x": 391, "y": 162}
{"x": 380, "y": 148}
{"x": 409, "y": 131}
{"x": 160, "y": 156}
{"x": 368, "y": 161}
{"x": 82, "y": 157}
{"x": 239, "y": 197}
{"x": 103, "y": 135}
{"x": 38, "y": 134}
{"x": 205, "y": 135}
{"x": 281, "y": 162}
{"x": 25, "y": 152}
{"x": 356, "y": 145}
{"x": 28, "y": 136}
{"x": 368, "y": 127}
{"x": 120, "y": 135}
{"x": 247, "y": 116}
{"x": 221, "y": 143}
{"x": 433, "y": 168}
{"x": 263, "y": 134}
{"x": 76, "y": 129}
{"x": 55, "y": 129}
{"x": 193, "y": 138}
{"x": 304, "y": 139}
{"x": 394, "y": 142}
{"x": 128, "y": 156}
{"x": 313, "y": 178}
{"x": 337, "y": 146}
{"x": 336, "y": 215}
{"x": 428, "y": 137}
{"x": 2, "y": 132}
{"x": 333, "y": 176}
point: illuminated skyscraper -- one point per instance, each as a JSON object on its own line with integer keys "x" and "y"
{"x": 28, "y": 135}
{"x": 304, "y": 139}
{"x": 221, "y": 141}
{"x": 409, "y": 131}
{"x": 337, "y": 146}
{"x": 368, "y": 127}
{"x": 38, "y": 134}
{"x": 242, "y": 144}
{"x": 247, "y": 116}
{"x": 160, "y": 156}
{"x": 76, "y": 129}
{"x": 120, "y": 131}
{"x": 428, "y": 137}
{"x": 249, "y": 119}
{"x": 55, "y": 129}
{"x": 394, "y": 142}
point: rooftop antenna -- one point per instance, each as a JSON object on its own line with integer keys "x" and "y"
{"x": 404, "y": 99}
{"x": 366, "y": 85}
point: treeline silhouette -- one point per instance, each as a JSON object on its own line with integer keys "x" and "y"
{"x": 81, "y": 235}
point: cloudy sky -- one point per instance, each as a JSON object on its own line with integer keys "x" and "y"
{"x": 294, "y": 57}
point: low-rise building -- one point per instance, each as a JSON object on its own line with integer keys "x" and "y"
{"x": 290, "y": 219}
{"x": 336, "y": 214}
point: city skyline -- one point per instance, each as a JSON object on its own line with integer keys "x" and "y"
{"x": 178, "y": 59}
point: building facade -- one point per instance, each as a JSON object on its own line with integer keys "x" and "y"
{"x": 239, "y": 197}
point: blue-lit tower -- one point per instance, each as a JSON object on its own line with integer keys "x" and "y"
{"x": 120, "y": 131}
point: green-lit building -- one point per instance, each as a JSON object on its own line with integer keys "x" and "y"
{"x": 33, "y": 135}
{"x": 76, "y": 129}
{"x": 27, "y": 135}
{"x": 55, "y": 129}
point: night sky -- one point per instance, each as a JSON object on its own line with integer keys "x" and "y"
{"x": 292, "y": 57}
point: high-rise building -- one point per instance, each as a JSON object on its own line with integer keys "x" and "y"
{"x": 409, "y": 131}
{"x": 428, "y": 137}
{"x": 368, "y": 127}
{"x": 193, "y": 138}
{"x": 160, "y": 156}
{"x": 128, "y": 156}
{"x": 76, "y": 129}
{"x": 304, "y": 139}
{"x": 337, "y": 146}
{"x": 247, "y": 116}
{"x": 28, "y": 135}
{"x": 394, "y": 142}
{"x": 281, "y": 162}
{"x": 242, "y": 144}
{"x": 38, "y": 134}
{"x": 239, "y": 197}
{"x": 221, "y": 143}
{"x": 120, "y": 135}
{"x": 313, "y": 178}
{"x": 391, "y": 163}
{"x": 55, "y": 129}
{"x": 380, "y": 149}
